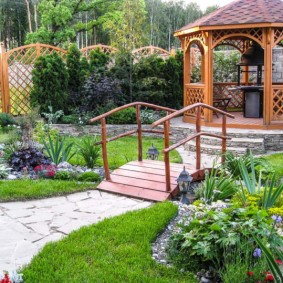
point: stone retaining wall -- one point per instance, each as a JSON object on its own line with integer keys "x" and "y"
{"x": 273, "y": 140}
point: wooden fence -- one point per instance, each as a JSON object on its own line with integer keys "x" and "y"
{"x": 16, "y": 67}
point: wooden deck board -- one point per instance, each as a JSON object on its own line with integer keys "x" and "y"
{"x": 146, "y": 180}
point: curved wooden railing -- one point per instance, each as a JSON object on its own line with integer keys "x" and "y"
{"x": 166, "y": 123}
{"x": 139, "y": 130}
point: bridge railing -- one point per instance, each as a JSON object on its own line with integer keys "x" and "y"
{"x": 138, "y": 131}
{"x": 198, "y": 107}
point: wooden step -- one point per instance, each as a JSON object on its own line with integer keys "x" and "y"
{"x": 133, "y": 191}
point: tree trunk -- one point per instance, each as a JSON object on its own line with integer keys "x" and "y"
{"x": 29, "y": 17}
{"x": 35, "y": 15}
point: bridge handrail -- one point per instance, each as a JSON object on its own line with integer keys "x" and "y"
{"x": 139, "y": 129}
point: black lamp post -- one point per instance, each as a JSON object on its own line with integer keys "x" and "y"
{"x": 184, "y": 181}
{"x": 152, "y": 153}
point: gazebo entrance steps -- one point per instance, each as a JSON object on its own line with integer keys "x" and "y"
{"x": 238, "y": 146}
{"x": 146, "y": 180}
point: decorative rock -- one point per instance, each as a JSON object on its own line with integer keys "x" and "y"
{"x": 11, "y": 177}
{"x": 64, "y": 165}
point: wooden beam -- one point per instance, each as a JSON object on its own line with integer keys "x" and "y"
{"x": 267, "y": 93}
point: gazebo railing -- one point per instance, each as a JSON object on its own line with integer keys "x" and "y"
{"x": 198, "y": 107}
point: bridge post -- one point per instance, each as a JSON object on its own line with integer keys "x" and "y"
{"x": 224, "y": 140}
{"x": 166, "y": 155}
{"x": 198, "y": 129}
{"x": 104, "y": 149}
{"x": 138, "y": 114}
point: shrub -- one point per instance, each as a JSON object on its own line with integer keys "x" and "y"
{"x": 89, "y": 177}
{"x": 50, "y": 83}
{"x": 212, "y": 230}
{"x": 125, "y": 116}
{"x": 29, "y": 158}
{"x": 98, "y": 59}
{"x": 6, "y": 119}
{"x": 65, "y": 175}
{"x": 89, "y": 151}
{"x": 78, "y": 69}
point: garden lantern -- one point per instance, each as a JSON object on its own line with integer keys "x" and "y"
{"x": 152, "y": 153}
{"x": 184, "y": 181}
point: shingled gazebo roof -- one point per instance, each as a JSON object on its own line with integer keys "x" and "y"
{"x": 240, "y": 12}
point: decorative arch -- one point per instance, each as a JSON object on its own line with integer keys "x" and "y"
{"x": 238, "y": 44}
{"x": 103, "y": 48}
{"x": 253, "y": 34}
{"x": 278, "y": 37}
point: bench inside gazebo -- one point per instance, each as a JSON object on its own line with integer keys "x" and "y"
{"x": 254, "y": 28}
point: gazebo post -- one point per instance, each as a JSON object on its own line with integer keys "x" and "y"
{"x": 268, "y": 42}
{"x": 208, "y": 62}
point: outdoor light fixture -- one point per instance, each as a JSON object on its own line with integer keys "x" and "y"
{"x": 184, "y": 181}
{"x": 152, "y": 153}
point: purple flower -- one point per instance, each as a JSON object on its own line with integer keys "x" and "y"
{"x": 257, "y": 252}
{"x": 276, "y": 218}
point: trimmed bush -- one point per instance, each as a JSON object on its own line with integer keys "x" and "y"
{"x": 89, "y": 177}
{"x": 50, "y": 83}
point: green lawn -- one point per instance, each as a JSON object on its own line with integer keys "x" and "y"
{"x": 276, "y": 160}
{"x": 13, "y": 190}
{"x": 125, "y": 149}
{"x": 115, "y": 250}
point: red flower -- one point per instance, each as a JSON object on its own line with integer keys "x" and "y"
{"x": 279, "y": 261}
{"x": 269, "y": 277}
{"x": 45, "y": 171}
{"x": 250, "y": 273}
{"x": 6, "y": 279}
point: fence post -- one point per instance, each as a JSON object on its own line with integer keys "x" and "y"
{"x": 198, "y": 129}
{"x": 138, "y": 114}
{"x": 166, "y": 155}
{"x": 4, "y": 77}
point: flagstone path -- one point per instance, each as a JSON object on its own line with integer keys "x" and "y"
{"x": 25, "y": 227}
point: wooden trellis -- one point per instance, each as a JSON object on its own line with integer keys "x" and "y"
{"x": 16, "y": 67}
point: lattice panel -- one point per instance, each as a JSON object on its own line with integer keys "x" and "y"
{"x": 254, "y": 32}
{"x": 197, "y": 38}
{"x": 104, "y": 48}
{"x": 20, "y": 66}
{"x": 278, "y": 36}
{"x": 194, "y": 95}
{"x": 277, "y": 103}
{"x": 150, "y": 50}
{"x": 239, "y": 44}
{"x": 222, "y": 90}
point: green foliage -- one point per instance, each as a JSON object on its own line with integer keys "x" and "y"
{"x": 214, "y": 229}
{"x": 65, "y": 175}
{"x": 276, "y": 160}
{"x": 125, "y": 116}
{"x": 120, "y": 243}
{"x": 78, "y": 69}
{"x": 52, "y": 117}
{"x": 89, "y": 177}
{"x": 216, "y": 186}
{"x": 89, "y": 150}
{"x": 98, "y": 59}
{"x": 4, "y": 171}
{"x": 58, "y": 151}
{"x": 127, "y": 24}
{"x": 50, "y": 79}
{"x": 159, "y": 81}
{"x": 42, "y": 131}
{"x": 232, "y": 165}
{"x": 25, "y": 189}
{"x": 225, "y": 66}
{"x": 240, "y": 266}
{"x": 6, "y": 119}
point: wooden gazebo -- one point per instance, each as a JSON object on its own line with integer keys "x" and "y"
{"x": 239, "y": 24}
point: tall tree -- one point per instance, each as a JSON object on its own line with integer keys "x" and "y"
{"x": 127, "y": 26}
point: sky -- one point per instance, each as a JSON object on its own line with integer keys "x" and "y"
{"x": 206, "y": 3}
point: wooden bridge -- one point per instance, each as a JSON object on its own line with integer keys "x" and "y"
{"x": 151, "y": 179}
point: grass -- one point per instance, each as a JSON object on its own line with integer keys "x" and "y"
{"x": 276, "y": 160}
{"x": 115, "y": 250}
{"x": 14, "y": 190}
{"x": 125, "y": 149}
